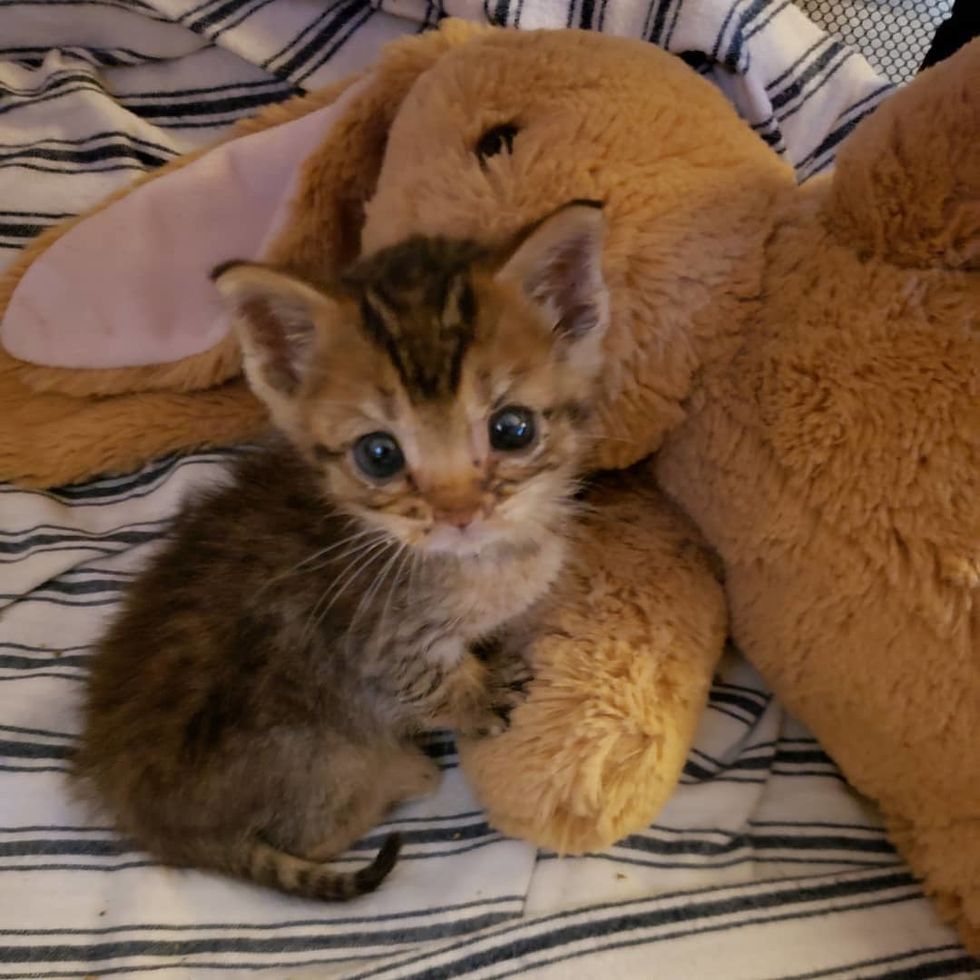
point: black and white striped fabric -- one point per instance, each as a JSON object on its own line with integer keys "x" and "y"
{"x": 763, "y": 865}
{"x": 802, "y": 90}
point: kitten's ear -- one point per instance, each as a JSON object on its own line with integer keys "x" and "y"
{"x": 558, "y": 266}
{"x": 275, "y": 317}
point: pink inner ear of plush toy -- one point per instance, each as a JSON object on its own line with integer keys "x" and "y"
{"x": 129, "y": 285}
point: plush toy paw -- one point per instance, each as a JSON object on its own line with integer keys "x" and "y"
{"x": 622, "y": 663}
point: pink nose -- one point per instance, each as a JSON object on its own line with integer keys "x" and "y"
{"x": 457, "y": 516}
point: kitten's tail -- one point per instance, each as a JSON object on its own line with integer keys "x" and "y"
{"x": 309, "y": 879}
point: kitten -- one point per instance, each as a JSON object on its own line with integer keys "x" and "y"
{"x": 253, "y": 708}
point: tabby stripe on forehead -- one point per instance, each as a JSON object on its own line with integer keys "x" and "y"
{"x": 376, "y": 324}
{"x": 429, "y": 367}
{"x": 458, "y": 318}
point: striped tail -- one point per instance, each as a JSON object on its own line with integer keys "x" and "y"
{"x": 310, "y": 879}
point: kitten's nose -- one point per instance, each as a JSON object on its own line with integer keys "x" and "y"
{"x": 457, "y": 516}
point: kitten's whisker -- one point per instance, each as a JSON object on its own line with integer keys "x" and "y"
{"x": 378, "y": 536}
{"x": 382, "y": 576}
{"x": 405, "y": 556}
{"x": 349, "y": 541}
{"x": 360, "y": 560}
{"x": 364, "y": 604}
{"x": 314, "y": 557}
{"x": 363, "y": 558}
{"x": 412, "y": 571}
{"x": 368, "y": 557}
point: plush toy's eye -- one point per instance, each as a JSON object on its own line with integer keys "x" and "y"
{"x": 500, "y": 139}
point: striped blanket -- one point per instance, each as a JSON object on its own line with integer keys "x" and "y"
{"x": 763, "y": 865}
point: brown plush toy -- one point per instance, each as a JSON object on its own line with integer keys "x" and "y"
{"x": 804, "y": 362}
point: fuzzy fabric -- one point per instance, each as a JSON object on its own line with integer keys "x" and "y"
{"x": 805, "y": 361}
{"x": 835, "y": 464}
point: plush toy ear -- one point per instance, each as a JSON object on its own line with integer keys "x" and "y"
{"x": 558, "y": 267}
{"x": 276, "y": 318}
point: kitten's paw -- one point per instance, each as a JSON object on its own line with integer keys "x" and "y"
{"x": 487, "y": 724}
{"x": 496, "y": 688}
{"x": 507, "y": 686}
{"x": 506, "y": 690}
{"x": 497, "y": 727}
{"x": 511, "y": 678}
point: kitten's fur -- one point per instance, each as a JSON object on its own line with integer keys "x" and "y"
{"x": 253, "y": 708}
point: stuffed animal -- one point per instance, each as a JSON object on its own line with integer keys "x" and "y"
{"x": 797, "y": 367}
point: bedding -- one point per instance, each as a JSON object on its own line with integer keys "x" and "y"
{"x": 763, "y": 865}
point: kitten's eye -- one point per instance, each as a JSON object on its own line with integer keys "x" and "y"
{"x": 378, "y": 455}
{"x": 495, "y": 141}
{"x": 511, "y": 428}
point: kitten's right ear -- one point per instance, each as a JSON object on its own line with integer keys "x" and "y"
{"x": 558, "y": 267}
{"x": 275, "y": 317}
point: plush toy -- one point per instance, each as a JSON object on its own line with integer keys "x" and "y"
{"x": 803, "y": 362}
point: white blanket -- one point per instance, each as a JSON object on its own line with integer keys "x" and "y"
{"x": 763, "y": 865}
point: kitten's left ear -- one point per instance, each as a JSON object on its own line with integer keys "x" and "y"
{"x": 275, "y": 318}
{"x": 558, "y": 267}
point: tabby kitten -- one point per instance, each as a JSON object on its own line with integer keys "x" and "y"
{"x": 253, "y": 708}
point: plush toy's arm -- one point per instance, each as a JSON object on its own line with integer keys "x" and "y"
{"x": 52, "y": 439}
{"x": 622, "y": 663}
{"x": 835, "y": 465}
{"x": 911, "y": 192}
{"x": 907, "y": 189}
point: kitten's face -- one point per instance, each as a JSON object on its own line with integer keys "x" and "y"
{"x": 443, "y": 397}
{"x": 490, "y": 460}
